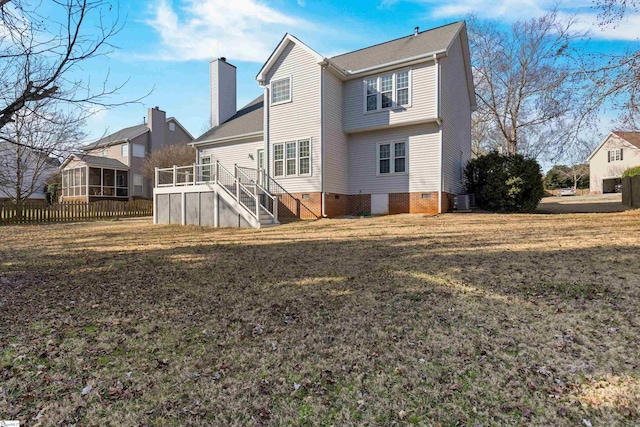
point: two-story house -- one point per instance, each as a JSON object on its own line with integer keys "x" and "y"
{"x": 111, "y": 167}
{"x": 381, "y": 130}
{"x": 618, "y": 152}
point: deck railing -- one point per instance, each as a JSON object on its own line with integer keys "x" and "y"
{"x": 247, "y": 191}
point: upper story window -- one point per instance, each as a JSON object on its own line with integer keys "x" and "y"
{"x": 125, "y": 150}
{"x": 387, "y": 91}
{"x": 392, "y": 158}
{"x": 614, "y": 155}
{"x": 292, "y": 158}
{"x": 172, "y": 126}
{"x": 138, "y": 150}
{"x": 281, "y": 91}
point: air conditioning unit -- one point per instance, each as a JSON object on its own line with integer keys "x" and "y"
{"x": 462, "y": 202}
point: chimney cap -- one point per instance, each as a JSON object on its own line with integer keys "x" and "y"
{"x": 223, "y": 58}
{"x": 416, "y": 30}
{"x": 156, "y": 108}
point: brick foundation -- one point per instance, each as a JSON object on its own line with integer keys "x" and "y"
{"x": 295, "y": 206}
{"x": 359, "y": 204}
{"x": 336, "y": 204}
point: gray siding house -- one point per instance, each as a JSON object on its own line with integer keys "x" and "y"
{"x": 111, "y": 167}
{"x": 385, "y": 129}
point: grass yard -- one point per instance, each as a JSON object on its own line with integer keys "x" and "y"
{"x": 471, "y": 320}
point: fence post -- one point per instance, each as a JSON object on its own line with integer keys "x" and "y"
{"x": 175, "y": 174}
{"x": 217, "y": 171}
{"x": 157, "y": 176}
{"x": 195, "y": 178}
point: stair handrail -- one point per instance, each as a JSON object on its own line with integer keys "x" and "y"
{"x": 273, "y": 198}
{"x": 237, "y": 195}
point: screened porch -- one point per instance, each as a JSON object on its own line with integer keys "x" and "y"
{"x": 95, "y": 182}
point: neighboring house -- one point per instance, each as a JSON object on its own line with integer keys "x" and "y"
{"x": 381, "y": 130}
{"x": 33, "y": 168}
{"x": 111, "y": 168}
{"x": 618, "y": 152}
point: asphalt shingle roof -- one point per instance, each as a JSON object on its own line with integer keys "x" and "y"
{"x": 632, "y": 138}
{"x": 248, "y": 119}
{"x": 101, "y": 161}
{"x": 395, "y": 50}
{"x": 121, "y": 135}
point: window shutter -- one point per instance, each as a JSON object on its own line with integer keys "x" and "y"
{"x": 609, "y": 156}
{"x": 621, "y": 154}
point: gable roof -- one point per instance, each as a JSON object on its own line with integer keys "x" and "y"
{"x": 247, "y": 121}
{"x": 262, "y": 74}
{"x": 632, "y": 138}
{"x": 184, "y": 129}
{"x": 119, "y": 136}
{"x": 95, "y": 160}
{"x": 435, "y": 40}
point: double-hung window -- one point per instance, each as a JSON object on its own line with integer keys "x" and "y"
{"x": 615, "y": 155}
{"x": 387, "y": 91}
{"x": 124, "y": 150}
{"x": 138, "y": 150}
{"x": 281, "y": 91}
{"x": 304, "y": 156}
{"x": 278, "y": 160}
{"x": 292, "y": 158}
{"x": 372, "y": 94}
{"x": 392, "y": 157}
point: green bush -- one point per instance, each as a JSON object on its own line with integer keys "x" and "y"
{"x": 505, "y": 183}
{"x": 635, "y": 171}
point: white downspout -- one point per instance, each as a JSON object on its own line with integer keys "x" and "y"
{"x": 440, "y": 167}
{"x": 267, "y": 163}
{"x": 324, "y": 215}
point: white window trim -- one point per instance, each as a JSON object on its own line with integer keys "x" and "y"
{"x": 133, "y": 150}
{"x": 134, "y": 185}
{"x": 297, "y": 159}
{"x": 615, "y": 155}
{"x": 172, "y": 126}
{"x": 290, "y": 99}
{"x": 392, "y": 158}
{"x": 124, "y": 150}
{"x": 394, "y": 93}
{"x": 258, "y": 158}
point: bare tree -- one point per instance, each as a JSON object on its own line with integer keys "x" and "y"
{"x": 41, "y": 58}
{"x": 29, "y": 147}
{"x": 168, "y": 156}
{"x": 615, "y": 78}
{"x": 526, "y": 85}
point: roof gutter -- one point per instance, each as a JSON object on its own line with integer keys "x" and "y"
{"x": 227, "y": 138}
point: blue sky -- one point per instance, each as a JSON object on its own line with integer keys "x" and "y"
{"x": 166, "y": 45}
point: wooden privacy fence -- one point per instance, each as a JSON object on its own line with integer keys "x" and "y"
{"x": 631, "y": 191}
{"x": 74, "y": 211}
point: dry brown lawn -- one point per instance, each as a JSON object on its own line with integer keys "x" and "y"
{"x": 470, "y": 319}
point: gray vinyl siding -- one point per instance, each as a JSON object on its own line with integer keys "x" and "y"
{"x": 135, "y": 167}
{"x": 300, "y": 118}
{"x": 423, "y": 164}
{"x": 336, "y": 148}
{"x": 230, "y": 153}
{"x": 422, "y": 107}
{"x": 177, "y": 136}
{"x": 456, "y": 115}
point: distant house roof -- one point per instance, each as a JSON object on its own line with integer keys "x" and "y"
{"x": 632, "y": 138}
{"x": 119, "y": 136}
{"x": 429, "y": 41}
{"x": 248, "y": 120}
{"x": 95, "y": 161}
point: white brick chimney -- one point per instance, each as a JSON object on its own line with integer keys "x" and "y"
{"x": 223, "y": 91}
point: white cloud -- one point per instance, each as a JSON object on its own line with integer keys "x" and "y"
{"x": 302, "y": 3}
{"x": 511, "y": 10}
{"x": 244, "y": 30}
